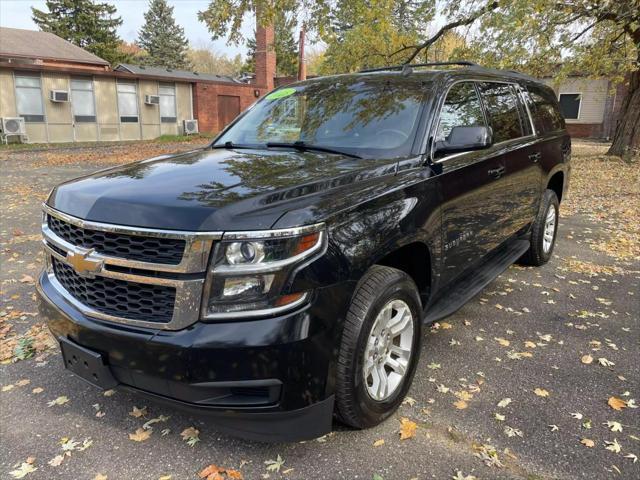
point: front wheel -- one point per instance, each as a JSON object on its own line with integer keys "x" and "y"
{"x": 379, "y": 349}
{"x": 543, "y": 231}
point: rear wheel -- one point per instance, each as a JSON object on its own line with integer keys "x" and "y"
{"x": 543, "y": 231}
{"x": 379, "y": 348}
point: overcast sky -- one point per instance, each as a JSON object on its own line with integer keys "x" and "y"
{"x": 17, "y": 14}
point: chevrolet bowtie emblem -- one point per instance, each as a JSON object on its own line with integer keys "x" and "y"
{"x": 82, "y": 263}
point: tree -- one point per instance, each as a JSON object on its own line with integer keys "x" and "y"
{"x": 131, "y": 53}
{"x": 162, "y": 38}
{"x": 205, "y": 60}
{"x": 84, "y": 23}
{"x": 286, "y": 46}
{"x": 561, "y": 37}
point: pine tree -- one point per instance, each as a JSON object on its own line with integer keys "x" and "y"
{"x": 84, "y": 23}
{"x": 286, "y": 46}
{"x": 162, "y": 38}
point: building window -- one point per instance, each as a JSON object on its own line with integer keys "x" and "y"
{"x": 82, "y": 101}
{"x": 570, "y": 105}
{"x": 127, "y": 102}
{"x": 167, "y": 103}
{"x": 29, "y": 97}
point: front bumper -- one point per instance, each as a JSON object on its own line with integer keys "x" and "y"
{"x": 268, "y": 380}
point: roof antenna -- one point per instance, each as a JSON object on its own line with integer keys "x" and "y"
{"x": 406, "y": 70}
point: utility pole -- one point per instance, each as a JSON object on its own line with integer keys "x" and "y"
{"x": 302, "y": 67}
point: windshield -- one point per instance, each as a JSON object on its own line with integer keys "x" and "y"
{"x": 369, "y": 117}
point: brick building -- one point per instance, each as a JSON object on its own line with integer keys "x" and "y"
{"x": 59, "y": 92}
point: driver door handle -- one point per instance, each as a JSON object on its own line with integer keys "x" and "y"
{"x": 496, "y": 172}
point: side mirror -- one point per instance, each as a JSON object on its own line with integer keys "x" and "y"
{"x": 463, "y": 139}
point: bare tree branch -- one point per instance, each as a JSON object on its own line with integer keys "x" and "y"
{"x": 449, "y": 26}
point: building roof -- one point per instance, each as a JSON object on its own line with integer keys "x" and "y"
{"x": 143, "y": 70}
{"x": 15, "y": 42}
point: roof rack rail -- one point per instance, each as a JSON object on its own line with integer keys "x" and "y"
{"x": 408, "y": 66}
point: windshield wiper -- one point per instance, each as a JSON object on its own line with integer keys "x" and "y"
{"x": 302, "y": 146}
{"x": 231, "y": 145}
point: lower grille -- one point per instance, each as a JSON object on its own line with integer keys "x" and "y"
{"x": 136, "y": 301}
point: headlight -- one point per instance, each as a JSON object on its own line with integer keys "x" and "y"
{"x": 249, "y": 271}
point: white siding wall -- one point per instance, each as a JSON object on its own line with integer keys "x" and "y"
{"x": 593, "y": 93}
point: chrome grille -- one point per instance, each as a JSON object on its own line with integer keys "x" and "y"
{"x": 138, "y": 276}
{"x": 135, "y": 301}
{"x": 132, "y": 247}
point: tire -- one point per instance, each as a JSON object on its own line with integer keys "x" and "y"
{"x": 540, "y": 252}
{"x": 379, "y": 288}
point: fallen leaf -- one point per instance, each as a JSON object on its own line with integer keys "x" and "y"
{"x": 613, "y": 446}
{"x": 23, "y": 382}
{"x": 56, "y": 461}
{"x": 140, "y": 435}
{"x": 37, "y": 390}
{"x": 499, "y": 417}
{"x": 504, "y": 402}
{"x": 26, "y": 279}
{"x": 616, "y": 403}
{"x": 23, "y": 470}
{"x": 632, "y": 456}
{"x": 409, "y": 401}
{"x": 378, "y": 443}
{"x": 614, "y": 426}
{"x": 138, "y": 412}
{"x": 108, "y": 393}
{"x": 460, "y": 476}
{"x": 190, "y": 435}
{"x": 502, "y": 341}
{"x": 460, "y": 404}
{"x": 100, "y": 476}
{"x": 512, "y": 432}
{"x": 541, "y": 392}
{"x": 529, "y": 344}
{"x": 577, "y": 415}
{"x": 586, "y": 359}
{"x": 587, "y": 442}
{"x": 7, "y": 388}
{"x": 605, "y": 363}
{"x": 442, "y": 389}
{"x": 274, "y": 465}
{"x": 554, "y": 428}
{"x": 58, "y": 401}
{"x": 407, "y": 428}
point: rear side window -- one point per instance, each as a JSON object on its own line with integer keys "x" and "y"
{"x": 544, "y": 109}
{"x": 501, "y": 103}
{"x": 461, "y": 109}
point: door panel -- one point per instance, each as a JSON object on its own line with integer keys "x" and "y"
{"x": 471, "y": 186}
{"x": 473, "y": 214}
{"x": 515, "y": 143}
{"x": 228, "y": 109}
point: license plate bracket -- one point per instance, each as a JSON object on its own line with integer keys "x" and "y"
{"x": 87, "y": 364}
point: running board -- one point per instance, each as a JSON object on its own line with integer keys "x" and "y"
{"x": 470, "y": 285}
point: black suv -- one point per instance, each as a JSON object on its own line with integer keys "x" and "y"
{"x": 282, "y": 274}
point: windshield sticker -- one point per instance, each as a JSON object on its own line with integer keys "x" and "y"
{"x": 284, "y": 92}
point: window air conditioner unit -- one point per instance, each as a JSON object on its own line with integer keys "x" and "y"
{"x": 152, "y": 100}
{"x": 59, "y": 96}
{"x": 190, "y": 126}
{"x": 13, "y": 126}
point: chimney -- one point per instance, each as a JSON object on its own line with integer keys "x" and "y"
{"x": 265, "y": 57}
{"x": 302, "y": 66}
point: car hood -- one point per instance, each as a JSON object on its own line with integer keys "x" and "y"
{"x": 218, "y": 190}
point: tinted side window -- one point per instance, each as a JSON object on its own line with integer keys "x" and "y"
{"x": 544, "y": 109}
{"x": 502, "y": 108}
{"x": 461, "y": 109}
